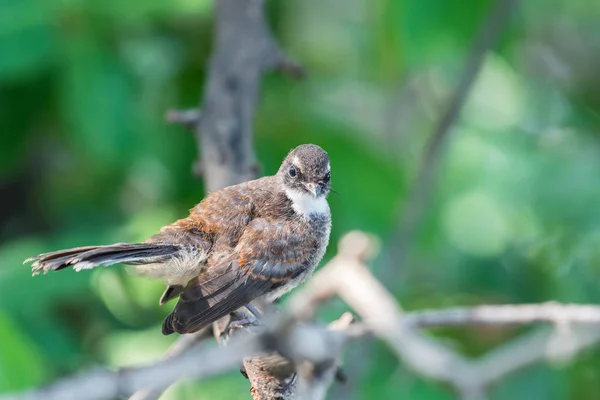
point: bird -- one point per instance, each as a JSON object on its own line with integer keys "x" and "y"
{"x": 254, "y": 241}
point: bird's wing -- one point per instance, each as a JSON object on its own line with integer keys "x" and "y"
{"x": 268, "y": 255}
{"x": 222, "y": 214}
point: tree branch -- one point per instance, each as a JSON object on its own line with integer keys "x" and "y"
{"x": 105, "y": 384}
{"x": 187, "y": 118}
{"x": 300, "y": 342}
{"x": 286, "y": 341}
{"x": 551, "y": 312}
{"x": 181, "y": 345}
{"x": 418, "y": 198}
{"x": 243, "y": 50}
{"x": 347, "y": 276}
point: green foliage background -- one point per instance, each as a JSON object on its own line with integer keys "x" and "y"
{"x": 86, "y": 158}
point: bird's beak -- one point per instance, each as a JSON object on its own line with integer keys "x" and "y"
{"x": 312, "y": 188}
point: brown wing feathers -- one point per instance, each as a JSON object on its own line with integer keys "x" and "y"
{"x": 250, "y": 256}
{"x": 252, "y": 273}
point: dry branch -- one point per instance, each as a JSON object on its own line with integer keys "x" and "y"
{"x": 303, "y": 344}
{"x": 312, "y": 350}
{"x": 181, "y": 345}
{"x": 187, "y": 118}
{"x": 286, "y": 341}
{"x": 552, "y": 312}
{"x": 243, "y": 49}
{"x": 411, "y": 212}
{"x": 105, "y": 384}
{"x": 348, "y": 277}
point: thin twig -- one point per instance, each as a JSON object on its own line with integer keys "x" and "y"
{"x": 302, "y": 344}
{"x": 551, "y": 312}
{"x": 539, "y": 345}
{"x": 187, "y": 118}
{"x": 410, "y": 214}
{"x": 105, "y": 384}
{"x": 347, "y": 276}
{"x": 287, "y": 341}
{"x": 183, "y": 344}
{"x": 315, "y": 379}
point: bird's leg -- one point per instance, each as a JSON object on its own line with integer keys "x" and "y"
{"x": 254, "y": 311}
{"x": 250, "y": 319}
{"x": 242, "y": 323}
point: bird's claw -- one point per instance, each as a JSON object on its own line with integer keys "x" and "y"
{"x": 242, "y": 323}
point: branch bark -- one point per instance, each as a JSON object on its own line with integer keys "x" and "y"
{"x": 181, "y": 346}
{"x": 509, "y": 314}
{"x": 301, "y": 343}
{"x": 243, "y": 50}
{"x": 286, "y": 340}
{"x": 576, "y": 326}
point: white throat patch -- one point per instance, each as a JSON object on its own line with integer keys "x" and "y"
{"x": 304, "y": 204}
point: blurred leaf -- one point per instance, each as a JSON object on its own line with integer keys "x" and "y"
{"x": 28, "y": 42}
{"x": 21, "y": 364}
{"x": 97, "y": 102}
{"x": 132, "y": 348}
{"x": 538, "y": 382}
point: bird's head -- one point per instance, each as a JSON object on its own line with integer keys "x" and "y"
{"x": 306, "y": 170}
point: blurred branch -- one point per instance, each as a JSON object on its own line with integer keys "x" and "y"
{"x": 187, "y": 118}
{"x": 302, "y": 358}
{"x": 552, "y": 312}
{"x": 181, "y": 345}
{"x": 301, "y": 343}
{"x": 243, "y": 49}
{"x": 105, "y": 384}
{"x": 347, "y": 276}
{"x": 312, "y": 350}
{"x": 532, "y": 348}
{"x": 418, "y": 199}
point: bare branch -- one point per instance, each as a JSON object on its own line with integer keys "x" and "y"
{"x": 181, "y": 345}
{"x": 243, "y": 50}
{"x": 540, "y": 345}
{"x": 187, "y": 118}
{"x": 104, "y": 384}
{"x": 410, "y": 214}
{"x": 306, "y": 357}
{"x": 316, "y": 379}
{"x": 301, "y": 343}
{"x": 278, "y": 60}
{"x": 348, "y": 276}
{"x": 551, "y": 312}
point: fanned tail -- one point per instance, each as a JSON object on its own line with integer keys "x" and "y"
{"x": 93, "y": 256}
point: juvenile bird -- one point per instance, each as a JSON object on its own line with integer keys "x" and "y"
{"x": 253, "y": 241}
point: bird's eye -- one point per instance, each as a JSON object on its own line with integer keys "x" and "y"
{"x": 293, "y": 172}
{"x": 327, "y": 177}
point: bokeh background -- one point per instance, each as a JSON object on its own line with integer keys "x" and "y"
{"x": 86, "y": 158}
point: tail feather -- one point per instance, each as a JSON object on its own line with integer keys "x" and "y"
{"x": 93, "y": 256}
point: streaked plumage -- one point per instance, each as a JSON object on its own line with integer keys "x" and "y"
{"x": 255, "y": 240}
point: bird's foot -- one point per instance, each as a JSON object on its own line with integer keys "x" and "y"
{"x": 242, "y": 323}
{"x": 255, "y": 312}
